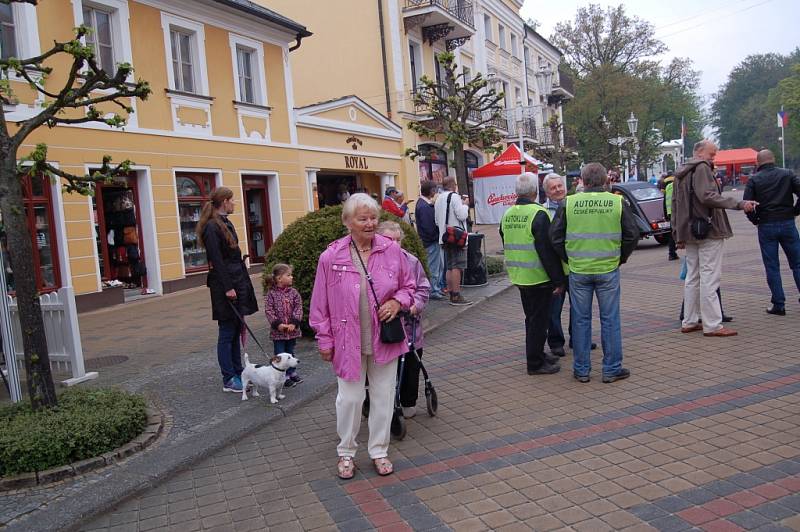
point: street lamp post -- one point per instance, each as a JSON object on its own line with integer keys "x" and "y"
{"x": 520, "y": 117}
{"x": 633, "y": 126}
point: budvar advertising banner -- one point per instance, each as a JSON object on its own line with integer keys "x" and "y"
{"x": 493, "y": 196}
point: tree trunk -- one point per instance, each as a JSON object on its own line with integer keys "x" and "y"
{"x": 37, "y": 360}
{"x": 461, "y": 170}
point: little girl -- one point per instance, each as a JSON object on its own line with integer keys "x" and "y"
{"x": 284, "y": 309}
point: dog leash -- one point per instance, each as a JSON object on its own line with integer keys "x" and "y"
{"x": 252, "y": 334}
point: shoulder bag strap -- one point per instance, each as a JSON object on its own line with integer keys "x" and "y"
{"x": 369, "y": 277}
{"x": 447, "y": 211}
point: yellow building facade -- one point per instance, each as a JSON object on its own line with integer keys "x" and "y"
{"x": 222, "y": 113}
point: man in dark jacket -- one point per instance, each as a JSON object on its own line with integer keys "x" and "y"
{"x": 425, "y": 221}
{"x": 696, "y": 196}
{"x": 775, "y": 190}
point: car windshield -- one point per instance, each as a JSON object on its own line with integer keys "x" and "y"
{"x": 646, "y": 193}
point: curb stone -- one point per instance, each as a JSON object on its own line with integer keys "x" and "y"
{"x": 115, "y": 485}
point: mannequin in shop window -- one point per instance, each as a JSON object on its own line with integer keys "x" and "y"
{"x": 232, "y": 293}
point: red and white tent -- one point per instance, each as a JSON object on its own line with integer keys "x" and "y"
{"x": 494, "y": 184}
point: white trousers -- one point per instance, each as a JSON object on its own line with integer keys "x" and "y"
{"x": 382, "y": 379}
{"x": 703, "y": 272}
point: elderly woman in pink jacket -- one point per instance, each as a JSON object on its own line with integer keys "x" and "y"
{"x": 346, "y": 317}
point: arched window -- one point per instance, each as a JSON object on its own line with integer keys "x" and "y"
{"x": 471, "y": 161}
{"x": 432, "y": 164}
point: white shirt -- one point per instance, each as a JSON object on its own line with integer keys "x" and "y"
{"x": 458, "y": 212}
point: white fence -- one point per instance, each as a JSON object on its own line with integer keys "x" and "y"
{"x": 62, "y": 333}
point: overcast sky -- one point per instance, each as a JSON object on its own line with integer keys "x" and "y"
{"x": 716, "y": 34}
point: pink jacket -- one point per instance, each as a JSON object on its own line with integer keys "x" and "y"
{"x": 334, "y": 302}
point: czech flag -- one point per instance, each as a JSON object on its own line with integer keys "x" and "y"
{"x": 783, "y": 119}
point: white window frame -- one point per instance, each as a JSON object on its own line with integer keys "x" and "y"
{"x": 258, "y": 73}
{"x": 26, "y": 32}
{"x": 418, "y": 62}
{"x": 514, "y": 46}
{"x": 120, "y": 26}
{"x": 198, "y": 35}
{"x": 501, "y": 36}
{"x": 487, "y": 27}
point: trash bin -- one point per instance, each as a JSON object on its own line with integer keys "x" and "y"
{"x": 476, "y": 273}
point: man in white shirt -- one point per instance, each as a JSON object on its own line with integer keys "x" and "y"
{"x": 455, "y": 258}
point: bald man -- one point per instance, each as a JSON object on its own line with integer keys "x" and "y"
{"x": 775, "y": 190}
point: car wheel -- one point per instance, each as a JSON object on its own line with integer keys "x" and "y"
{"x": 662, "y": 239}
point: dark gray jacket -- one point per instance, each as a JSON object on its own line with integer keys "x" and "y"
{"x": 774, "y": 189}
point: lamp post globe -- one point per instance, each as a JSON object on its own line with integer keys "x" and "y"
{"x": 633, "y": 124}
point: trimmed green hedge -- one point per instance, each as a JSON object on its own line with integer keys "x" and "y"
{"x": 86, "y": 423}
{"x": 495, "y": 264}
{"x": 303, "y": 241}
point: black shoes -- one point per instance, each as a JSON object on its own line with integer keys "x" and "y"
{"x": 550, "y": 358}
{"x": 776, "y": 310}
{"x": 546, "y": 369}
{"x": 557, "y": 351}
{"x": 673, "y": 257}
{"x": 620, "y": 375}
{"x": 581, "y": 378}
{"x": 727, "y": 319}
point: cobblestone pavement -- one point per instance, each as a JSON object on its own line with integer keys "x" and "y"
{"x": 704, "y": 435}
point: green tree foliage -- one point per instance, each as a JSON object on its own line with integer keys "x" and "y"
{"x": 745, "y": 108}
{"x": 610, "y": 54}
{"x": 79, "y": 99}
{"x": 304, "y": 240}
{"x": 609, "y": 38}
{"x": 459, "y": 111}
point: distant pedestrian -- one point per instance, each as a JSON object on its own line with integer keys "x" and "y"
{"x": 595, "y": 232}
{"x": 452, "y": 211}
{"x": 669, "y": 187}
{"x": 346, "y": 320}
{"x": 283, "y": 307}
{"x": 534, "y": 268}
{"x": 409, "y": 390}
{"x": 425, "y": 218}
{"x": 228, "y": 281}
{"x": 700, "y": 225}
{"x": 392, "y": 202}
{"x": 775, "y": 190}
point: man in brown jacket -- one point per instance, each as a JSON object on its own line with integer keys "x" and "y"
{"x": 703, "y": 255}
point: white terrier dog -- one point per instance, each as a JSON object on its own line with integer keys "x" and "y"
{"x": 271, "y": 377}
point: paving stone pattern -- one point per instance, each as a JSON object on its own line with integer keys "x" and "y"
{"x": 703, "y": 436}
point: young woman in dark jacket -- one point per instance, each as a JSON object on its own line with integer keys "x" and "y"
{"x": 228, "y": 281}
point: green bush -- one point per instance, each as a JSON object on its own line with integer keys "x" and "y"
{"x": 304, "y": 240}
{"x": 495, "y": 264}
{"x": 86, "y": 423}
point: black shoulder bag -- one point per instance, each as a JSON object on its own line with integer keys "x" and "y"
{"x": 698, "y": 225}
{"x": 391, "y": 331}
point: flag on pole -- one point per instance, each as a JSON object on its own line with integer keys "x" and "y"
{"x": 783, "y": 118}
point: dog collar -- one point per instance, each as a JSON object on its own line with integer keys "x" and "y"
{"x": 275, "y": 367}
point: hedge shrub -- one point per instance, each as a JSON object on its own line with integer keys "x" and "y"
{"x": 304, "y": 240}
{"x": 86, "y": 423}
{"x": 495, "y": 264}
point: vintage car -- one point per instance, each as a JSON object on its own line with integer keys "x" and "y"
{"x": 647, "y": 203}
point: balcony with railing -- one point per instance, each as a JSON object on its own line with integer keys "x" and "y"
{"x": 563, "y": 88}
{"x": 452, "y": 20}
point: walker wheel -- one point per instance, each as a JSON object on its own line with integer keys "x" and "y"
{"x": 398, "y": 427}
{"x": 431, "y": 400}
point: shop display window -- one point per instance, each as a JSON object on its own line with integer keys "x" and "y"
{"x": 37, "y": 203}
{"x": 193, "y": 190}
{"x": 433, "y": 164}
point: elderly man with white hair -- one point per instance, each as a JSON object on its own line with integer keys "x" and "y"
{"x": 534, "y": 267}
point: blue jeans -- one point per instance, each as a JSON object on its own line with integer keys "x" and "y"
{"x": 285, "y": 346}
{"x": 582, "y": 287}
{"x": 771, "y": 234}
{"x": 435, "y": 265}
{"x": 555, "y": 332}
{"x": 229, "y": 350}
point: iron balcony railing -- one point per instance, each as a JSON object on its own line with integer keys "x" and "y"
{"x": 460, "y": 9}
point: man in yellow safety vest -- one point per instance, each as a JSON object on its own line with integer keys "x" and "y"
{"x": 595, "y": 232}
{"x": 534, "y": 267}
